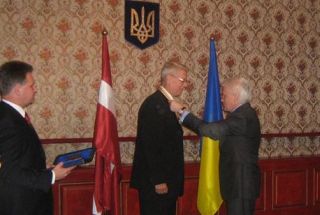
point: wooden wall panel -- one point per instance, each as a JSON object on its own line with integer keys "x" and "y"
{"x": 76, "y": 198}
{"x": 187, "y": 204}
{"x": 73, "y": 195}
{"x": 288, "y": 187}
{"x": 316, "y": 183}
{"x": 261, "y": 201}
{"x": 129, "y": 199}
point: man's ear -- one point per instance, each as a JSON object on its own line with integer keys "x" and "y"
{"x": 17, "y": 90}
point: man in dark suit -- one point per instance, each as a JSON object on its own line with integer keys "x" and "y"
{"x": 25, "y": 181}
{"x": 158, "y": 165}
{"x": 239, "y": 136}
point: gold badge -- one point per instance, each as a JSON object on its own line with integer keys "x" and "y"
{"x": 142, "y": 28}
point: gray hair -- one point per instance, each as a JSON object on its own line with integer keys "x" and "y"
{"x": 170, "y": 68}
{"x": 241, "y": 87}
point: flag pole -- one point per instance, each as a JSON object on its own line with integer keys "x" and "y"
{"x": 105, "y": 139}
{"x": 209, "y": 197}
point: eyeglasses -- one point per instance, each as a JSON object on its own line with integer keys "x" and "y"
{"x": 180, "y": 79}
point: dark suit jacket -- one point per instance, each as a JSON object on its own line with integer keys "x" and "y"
{"x": 158, "y": 156}
{"x": 25, "y": 184}
{"x": 239, "y": 136}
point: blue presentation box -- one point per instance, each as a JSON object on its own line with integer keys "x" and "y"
{"x": 75, "y": 158}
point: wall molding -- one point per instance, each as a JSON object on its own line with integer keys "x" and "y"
{"x": 191, "y": 137}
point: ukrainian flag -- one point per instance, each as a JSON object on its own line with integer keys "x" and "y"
{"x": 209, "y": 197}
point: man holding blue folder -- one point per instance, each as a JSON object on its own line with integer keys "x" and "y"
{"x": 25, "y": 180}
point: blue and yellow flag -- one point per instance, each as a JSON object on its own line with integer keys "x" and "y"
{"x": 209, "y": 197}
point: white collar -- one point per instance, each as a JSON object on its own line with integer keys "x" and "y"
{"x": 21, "y": 111}
{"x": 236, "y": 107}
{"x": 166, "y": 93}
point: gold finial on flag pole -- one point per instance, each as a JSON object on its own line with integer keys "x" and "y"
{"x": 104, "y": 31}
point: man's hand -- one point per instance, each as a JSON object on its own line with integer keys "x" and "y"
{"x": 161, "y": 188}
{"x": 61, "y": 172}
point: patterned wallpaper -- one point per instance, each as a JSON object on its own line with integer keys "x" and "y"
{"x": 273, "y": 43}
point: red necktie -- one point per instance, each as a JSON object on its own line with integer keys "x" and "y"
{"x": 27, "y": 119}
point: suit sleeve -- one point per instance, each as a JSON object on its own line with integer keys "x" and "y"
{"x": 215, "y": 130}
{"x": 18, "y": 164}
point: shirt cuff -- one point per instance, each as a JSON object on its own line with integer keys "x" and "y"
{"x": 183, "y": 115}
{"x": 53, "y": 179}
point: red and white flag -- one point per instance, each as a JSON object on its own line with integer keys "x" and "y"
{"x": 105, "y": 140}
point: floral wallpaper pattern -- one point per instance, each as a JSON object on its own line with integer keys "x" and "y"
{"x": 273, "y": 43}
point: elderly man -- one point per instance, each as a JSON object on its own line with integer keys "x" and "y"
{"x": 25, "y": 181}
{"x": 239, "y": 135}
{"x": 158, "y": 165}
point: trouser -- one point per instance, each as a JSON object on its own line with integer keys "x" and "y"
{"x": 152, "y": 203}
{"x": 240, "y": 206}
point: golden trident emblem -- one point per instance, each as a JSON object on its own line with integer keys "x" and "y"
{"x": 142, "y": 29}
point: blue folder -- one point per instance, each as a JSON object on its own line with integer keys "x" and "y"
{"x": 75, "y": 158}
